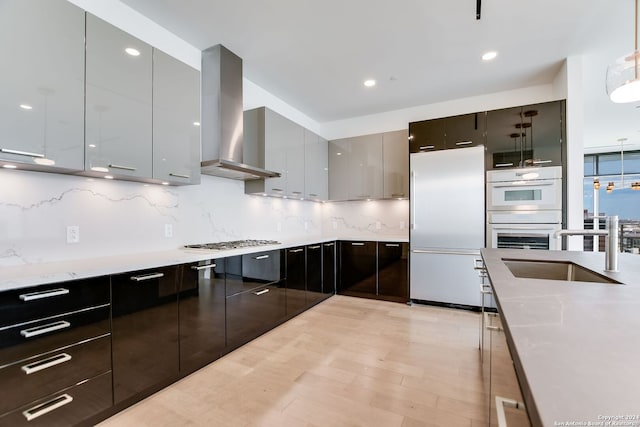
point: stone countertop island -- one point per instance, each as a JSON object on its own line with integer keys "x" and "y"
{"x": 575, "y": 345}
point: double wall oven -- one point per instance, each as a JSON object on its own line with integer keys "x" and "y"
{"x": 524, "y": 207}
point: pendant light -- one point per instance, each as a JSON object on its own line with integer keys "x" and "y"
{"x": 623, "y": 76}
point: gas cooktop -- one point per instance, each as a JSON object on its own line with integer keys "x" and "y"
{"x": 234, "y": 244}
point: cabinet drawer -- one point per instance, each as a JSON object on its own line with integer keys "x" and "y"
{"x": 250, "y": 271}
{"x": 44, "y": 374}
{"x": 26, "y": 340}
{"x": 251, "y": 313}
{"x": 27, "y": 304}
{"x": 67, "y": 407}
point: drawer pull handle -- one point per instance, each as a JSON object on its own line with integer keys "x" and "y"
{"x": 392, "y": 245}
{"x": 124, "y": 168}
{"x": 147, "y": 277}
{"x": 44, "y": 329}
{"x": 203, "y": 267}
{"x": 179, "y": 175}
{"x": 357, "y": 244}
{"x": 21, "y": 153}
{"x": 397, "y": 194}
{"x": 261, "y": 257}
{"x": 40, "y": 365}
{"x": 295, "y": 251}
{"x": 46, "y": 407}
{"x": 43, "y": 294}
{"x": 262, "y": 292}
{"x": 501, "y": 403}
{"x": 314, "y": 247}
{"x": 313, "y": 195}
{"x": 486, "y": 322}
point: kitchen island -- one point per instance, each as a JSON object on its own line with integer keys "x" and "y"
{"x": 574, "y": 344}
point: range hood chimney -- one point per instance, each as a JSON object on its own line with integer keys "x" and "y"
{"x": 222, "y": 117}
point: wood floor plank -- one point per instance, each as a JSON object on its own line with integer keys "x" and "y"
{"x": 345, "y": 362}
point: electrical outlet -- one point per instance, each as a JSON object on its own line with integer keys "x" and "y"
{"x": 73, "y": 234}
{"x": 378, "y": 225}
{"x": 168, "y": 230}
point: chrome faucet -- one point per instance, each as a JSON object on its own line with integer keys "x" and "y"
{"x": 611, "y": 240}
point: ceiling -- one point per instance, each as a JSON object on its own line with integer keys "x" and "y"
{"x": 315, "y": 55}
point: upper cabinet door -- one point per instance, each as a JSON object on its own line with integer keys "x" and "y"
{"x": 544, "y": 126}
{"x": 277, "y": 131}
{"x": 505, "y": 135}
{"x": 118, "y": 102}
{"x": 340, "y": 169}
{"x": 42, "y": 90}
{"x": 316, "y": 167}
{"x": 427, "y": 135}
{"x": 366, "y": 161}
{"x": 395, "y": 153}
{"x": 531, "y": 135}
{"x": 176, "y": 120}
{"x": 295, "y": 161}
{"x": 465, "y": 130}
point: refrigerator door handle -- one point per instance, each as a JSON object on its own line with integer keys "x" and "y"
{"x": 413, "y": 199}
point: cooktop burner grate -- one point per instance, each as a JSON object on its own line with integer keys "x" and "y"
{"x": 234, "y": 244}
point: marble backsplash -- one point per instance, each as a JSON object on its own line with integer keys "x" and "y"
{"x": 119, "y": 217}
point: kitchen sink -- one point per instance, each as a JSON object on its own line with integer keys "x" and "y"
{"x": 554, "y": 270}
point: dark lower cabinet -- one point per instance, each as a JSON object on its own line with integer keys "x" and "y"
{"x": 376, "y": 270}
{"x": 144, "y": 330}
{"x": 54, "y": 339}
{"x": 201, "y": 310}
{"x": 252, "y": 313}
{"x": 393, "y": 267}
{"x": 69, "y": 406}
{"x": 329, "y": 268}
{"x": 256, "y": 295}
{"x": 296, "y": 286}
{"x": 357, "y": 268}
{"x": 314, "y": 274}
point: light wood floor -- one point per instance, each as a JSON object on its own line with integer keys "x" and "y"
{"x": 345, "y": 362}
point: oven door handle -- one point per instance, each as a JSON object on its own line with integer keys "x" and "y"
{"x": 524, "y": 227}
{"x": 517, "y": 184}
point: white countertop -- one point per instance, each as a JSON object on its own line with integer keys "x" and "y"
{"x": 26, "y": 275}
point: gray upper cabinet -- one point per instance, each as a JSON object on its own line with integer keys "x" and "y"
{"x": 42, "y": 90}
{"x": 395, "y": 164}
{"x": 355, "y": 168}
{"x": 316, "y": 167}
{"x": 283, "y": 143}
{"x": 176, "y": 119}
{"x": 118, "y": 103}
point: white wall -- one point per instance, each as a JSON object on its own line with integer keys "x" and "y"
{"x": 119, "y": 217}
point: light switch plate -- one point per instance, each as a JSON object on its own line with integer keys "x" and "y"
{"x": 73, "y": 234}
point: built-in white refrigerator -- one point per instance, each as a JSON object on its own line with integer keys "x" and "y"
{"x": 447, "y": 214}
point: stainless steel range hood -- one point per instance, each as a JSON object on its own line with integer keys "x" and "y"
{"x": 222, "y": 118}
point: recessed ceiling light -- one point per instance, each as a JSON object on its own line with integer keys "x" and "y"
{"x": 165, "y": 183}
{"x": 489, "y": 55}
{"x": 9, "y": 166}
{"x": 370, "y": 83}
{"x": 26, "y": 107}
{"x": 92, "y": 145}
{"x": 338, "y": 154}
{"x": 132, "y": 51}
{"x": 108, "y": 177}
{"x": 196, "y": 123}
